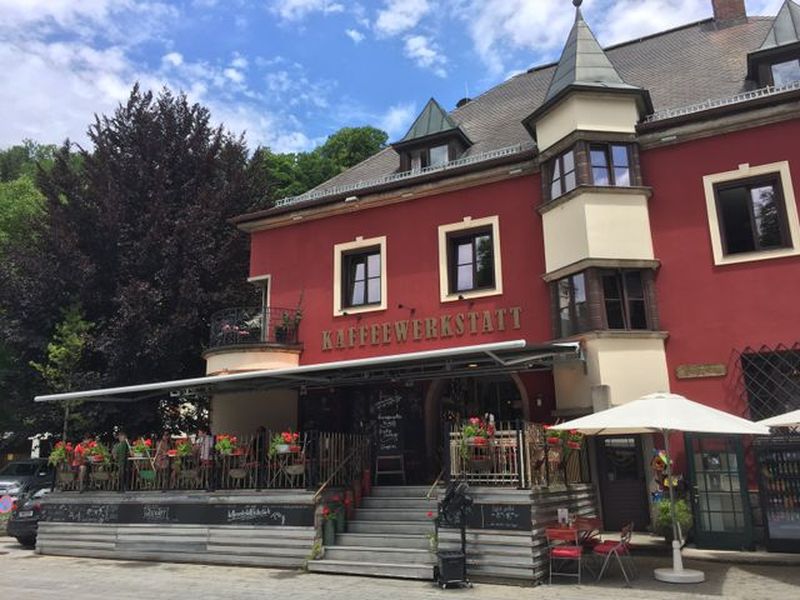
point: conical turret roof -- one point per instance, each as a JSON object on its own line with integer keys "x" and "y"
{"x": 583, "y": 62}
{"x": 432, "y": 120}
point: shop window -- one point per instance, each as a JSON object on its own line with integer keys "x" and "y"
{"x": 785, "y": 73}
{"x": 610, "y": 164}
{"x": 752, "y": 215}
{"x": 573, "y": 313}
{"x": 563, "y": 177}
{"x": 360, "y": 276}
{"x": 469, "y": 256}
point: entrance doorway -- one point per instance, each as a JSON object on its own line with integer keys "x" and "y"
{"x": 623, "y": 492}
{"x": 721, "y": 507}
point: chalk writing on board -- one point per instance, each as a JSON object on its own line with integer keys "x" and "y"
{"x": 156, "y": 513}
{"x": 255, "y": 513}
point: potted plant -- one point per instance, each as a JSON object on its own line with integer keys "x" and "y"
{"x": 97, "y": 453}
{"x": 338, "y": 509}
{"x": 328, "y": 526}
{"x": 554, "y": 437}
{"x": 61, "y": 454}
{"x": 227, "y": 445}
{"x": 141, "y": 447}
{"x": 663, "y": 521}
{"x": 283, "y": 443}
{"x": 574, "y": 439}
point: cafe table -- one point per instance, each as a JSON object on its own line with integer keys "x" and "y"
{"x": 585, "y": 529}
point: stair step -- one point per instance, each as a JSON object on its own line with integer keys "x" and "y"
{"x": 408, "y": 491}
{"x": 399, "y": 502}
{"x": 390, "y": 527}
{"x": 392, "y": 514}
{"x": 378, "y": 540}
{"x": 371, "y": 569}
{"x": 366, "y": 554}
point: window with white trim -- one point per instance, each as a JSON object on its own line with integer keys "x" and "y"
{"x": 359, "y": 276}
{"x": 469, "y": 259}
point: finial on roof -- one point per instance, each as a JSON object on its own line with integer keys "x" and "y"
{"x": 577, "y": 3}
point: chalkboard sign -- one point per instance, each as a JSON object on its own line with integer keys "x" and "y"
{"x": 510, "y": 517}
{"x": 289, "y": 515}
{"x": 389, "y": 416}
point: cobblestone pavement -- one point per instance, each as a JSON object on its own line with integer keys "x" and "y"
{"x": 24, "y": 574}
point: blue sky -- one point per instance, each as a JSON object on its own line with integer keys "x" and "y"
{"x": 288, "y": 72}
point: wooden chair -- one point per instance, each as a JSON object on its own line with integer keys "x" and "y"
{"x": 564, "y": 548}
{"x": 619, "y": 549}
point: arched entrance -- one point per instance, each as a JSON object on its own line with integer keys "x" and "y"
{"x": 449, "y": 400}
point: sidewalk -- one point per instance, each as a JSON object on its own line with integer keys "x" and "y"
{"x": 652, "y": 545}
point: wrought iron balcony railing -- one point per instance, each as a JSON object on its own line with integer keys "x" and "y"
{"x": 254, "y": 325}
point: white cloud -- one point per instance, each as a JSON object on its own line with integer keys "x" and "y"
{"x": 234, "y": 75}
{"x": 173, "y": 58}
{"x": 239, "y": 61}
{"x": 297, "y": 10}
{"x": 355, "y": 35}
{"x": 397, "y": 119}
{"x": 426, "y": 54}
{"x": 398, "y": 16}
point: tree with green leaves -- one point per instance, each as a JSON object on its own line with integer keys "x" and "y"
{"x": 65, "y": 353}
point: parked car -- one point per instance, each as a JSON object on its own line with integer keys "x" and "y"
{"x": 26, "y": 476}
{"x": 24, "y": 521}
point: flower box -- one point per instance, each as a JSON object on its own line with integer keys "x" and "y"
{"x": 295, "y": 448}
{"x": 238, "y": 474}
{"x": 480, "y": 464}
{"x": 101, "y": 476}
{"x": 554, "y": 441}
{"x": 97, "y": 458}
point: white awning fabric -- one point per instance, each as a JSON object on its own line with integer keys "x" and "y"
{"x": 790, "y": 419}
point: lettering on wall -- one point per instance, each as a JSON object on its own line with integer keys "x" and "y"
{"x": 457, "y": 325}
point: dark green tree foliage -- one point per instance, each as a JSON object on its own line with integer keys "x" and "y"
{"x": 292, "y": 174}
{"x": 137, "y": 233}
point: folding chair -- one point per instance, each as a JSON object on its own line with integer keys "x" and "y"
{"x": 564, "y": 548}
{"x": 620, "y": 549}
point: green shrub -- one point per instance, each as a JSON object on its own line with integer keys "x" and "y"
{"x": 663, "y": 524}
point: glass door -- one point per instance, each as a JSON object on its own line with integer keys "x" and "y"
{"x": 721, "y": 506}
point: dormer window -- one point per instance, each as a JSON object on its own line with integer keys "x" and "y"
{"x": 786, "y": 72}
{"x": 439, "y": 155}
{"x": 434, "y": 140}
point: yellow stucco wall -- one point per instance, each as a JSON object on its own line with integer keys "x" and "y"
{"x": 230, "y": 360}
{"x": 242, "y": 412}
{"x": 630, "y": 367}
{"x": 597, "y": 225}
{"x": 587, "y": 112}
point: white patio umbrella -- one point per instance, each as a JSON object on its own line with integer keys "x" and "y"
{"x": 665, "y": 413}
{"x": 790, "y": 419}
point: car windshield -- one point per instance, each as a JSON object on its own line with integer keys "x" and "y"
{"x": 19, "y": 470}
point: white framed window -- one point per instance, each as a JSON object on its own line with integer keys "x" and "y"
{"x": 359, "y": 276}
{"x": 752, "y": 213}
{"x": 470, "y": 265}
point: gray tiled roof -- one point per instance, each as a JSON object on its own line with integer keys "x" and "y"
{"x": 786, "y": 28}
{"x": 679, "y": 67}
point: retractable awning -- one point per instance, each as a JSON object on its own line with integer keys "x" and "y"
{"x": 500, "y": 357}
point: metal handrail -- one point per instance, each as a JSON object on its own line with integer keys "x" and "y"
{"x": 435, "y": 484}
{"x": 246, "y": 325}
{"x": 764, "y": 92}
{"x": 335, "y": 472}
{"x": 392, "y": 177}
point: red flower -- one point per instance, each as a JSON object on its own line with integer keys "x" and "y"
{"x": 336, "y": 498}
{"x": 573, "y": 431}
{"x": 430, "y": 515}
{"x": 69, "y": 446}
{"x": 148, "y": 443}
{"x": 234, "y": 439}
{"x": 474, "y": 421}
{"x": 325, "y": 511}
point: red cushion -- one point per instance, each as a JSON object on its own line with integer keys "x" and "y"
{"x": 566, "y": 552}
{"x": 606, "y": 547}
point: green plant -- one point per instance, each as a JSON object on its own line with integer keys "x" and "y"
{"x": 663, "y": 522}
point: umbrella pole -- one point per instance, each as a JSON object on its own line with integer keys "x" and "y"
{"x": 677, "y": 574}
{"x": 677, "y": 561}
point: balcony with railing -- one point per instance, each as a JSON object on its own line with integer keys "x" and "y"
{"x": 251, "y": 337}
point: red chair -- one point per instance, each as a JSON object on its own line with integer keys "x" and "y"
{"x": 620, "y": 549}
{"x": 564, "y": 548}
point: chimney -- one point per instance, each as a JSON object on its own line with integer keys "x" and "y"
{"x": 729, "y": 10}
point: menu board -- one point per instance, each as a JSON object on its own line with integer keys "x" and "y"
{"x": 389, "y": 417}
{"x": 296, "y": 515}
